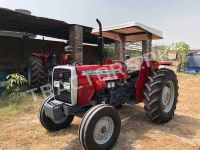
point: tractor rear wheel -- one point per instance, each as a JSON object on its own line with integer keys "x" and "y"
{"x": 160, "y": 95}
{"x": 36, "y": 73}
{"x": 50, "y": 125}
{"x": 100, "y": 128}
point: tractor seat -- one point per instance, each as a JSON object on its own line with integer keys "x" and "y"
{"x": 134, "y": 64}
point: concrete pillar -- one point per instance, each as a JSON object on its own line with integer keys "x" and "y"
{"x": 76, "y": 41}
{"x": 119, "y": 49}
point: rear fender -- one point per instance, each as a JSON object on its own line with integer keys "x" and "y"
{"x": 146, "y": 70}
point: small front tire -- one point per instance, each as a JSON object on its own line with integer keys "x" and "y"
{"x": 50, "y": 125}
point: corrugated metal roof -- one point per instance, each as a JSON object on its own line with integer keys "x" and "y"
{"x": 15, "y": 21}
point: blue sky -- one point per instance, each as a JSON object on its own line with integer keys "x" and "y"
{"x": 179, "y": 20}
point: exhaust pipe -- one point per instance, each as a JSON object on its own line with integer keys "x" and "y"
{"x": 100, "y": 43}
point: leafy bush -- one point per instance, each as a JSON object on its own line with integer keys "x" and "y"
{"x": 15, "y": 81}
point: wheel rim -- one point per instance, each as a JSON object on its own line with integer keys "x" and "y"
{"x": 103, "y": 130}
{"x": 168, "y": 96}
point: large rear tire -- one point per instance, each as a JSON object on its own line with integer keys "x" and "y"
{"x": 36, "y": 73}
{"x": 160, "y": 96}
{"x": 100, "y": 128}
{"x": 50, "y": 125}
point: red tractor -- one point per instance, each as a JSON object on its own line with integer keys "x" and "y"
{"x": 41, "y": 66}
{"x": 98, "y": 90}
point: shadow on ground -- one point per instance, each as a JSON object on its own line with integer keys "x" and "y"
{"x": 135, "y": 125}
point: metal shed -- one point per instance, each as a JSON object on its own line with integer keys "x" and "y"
{"x": 19, "y": 22}
{"x": 15, "y": 50}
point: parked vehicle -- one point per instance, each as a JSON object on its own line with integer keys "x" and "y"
{"x": 41, "y": 66}
{"x": 97, "y": 90}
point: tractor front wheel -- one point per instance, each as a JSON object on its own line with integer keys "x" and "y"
{"x": 160, "y": 96}
{"x": 50, "y": 125}
{"x": 100, "y": 128}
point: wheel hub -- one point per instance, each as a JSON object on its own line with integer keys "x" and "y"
{"x": 103, "y": 130}
{"x": 168, "y": 95}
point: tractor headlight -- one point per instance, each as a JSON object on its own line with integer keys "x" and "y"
{"x": 110, "y": 85}
{"x": 66, "y": 86}
{"x": 56, "y": 84}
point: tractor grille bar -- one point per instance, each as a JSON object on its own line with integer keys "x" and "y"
{"x": 62, "y": 76}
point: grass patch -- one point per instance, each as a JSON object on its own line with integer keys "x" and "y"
{"x": 13, "y": 105}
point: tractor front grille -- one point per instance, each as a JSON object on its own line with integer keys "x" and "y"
{"x": 61, "y": 94}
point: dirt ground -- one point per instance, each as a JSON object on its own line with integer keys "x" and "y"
{"x": 183, "y": 132}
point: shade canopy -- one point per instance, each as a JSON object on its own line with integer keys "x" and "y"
{"x": 129, "y": 32}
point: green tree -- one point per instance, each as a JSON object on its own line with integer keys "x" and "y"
{"x": 181, "y": 49}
